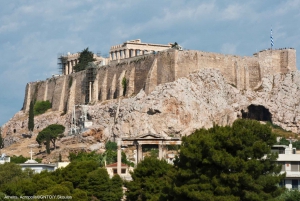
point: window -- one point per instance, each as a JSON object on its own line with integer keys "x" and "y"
{"x": 282, "y": 183}
{"x": 294, "y": 166}
{"x": 115, "y": 171}
{"x": 294, "y": 184}
{"x": 123, "y": 171}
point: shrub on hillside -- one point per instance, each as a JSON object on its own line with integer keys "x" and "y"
{"x": 41, "y": 107}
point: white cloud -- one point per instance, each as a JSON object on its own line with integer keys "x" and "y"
{"x": 232, "y": 12}
{"x": 228, "y": 48}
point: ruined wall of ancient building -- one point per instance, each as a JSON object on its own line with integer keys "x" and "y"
{"x": 147, "y": 71}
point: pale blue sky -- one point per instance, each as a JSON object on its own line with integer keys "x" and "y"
{"x": 33, "y": 32}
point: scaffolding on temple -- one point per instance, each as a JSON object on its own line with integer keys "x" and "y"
{"x": 60, "y": 62}
{"x": 91, "y": 73}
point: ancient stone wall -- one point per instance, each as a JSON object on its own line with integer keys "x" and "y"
{"x": 147, "y": 71}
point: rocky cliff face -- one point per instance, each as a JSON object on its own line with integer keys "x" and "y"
{"x": 178, "y": 108}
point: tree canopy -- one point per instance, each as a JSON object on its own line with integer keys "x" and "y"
{"x": 150, "y": 180}
{"x": 82, "y": 181}
{"x": 41, "y": 107}
{"x": 228, "y": 163}
{"x": 50, "y": 134}
{"x": 1, "y": 140}
{"x": 85, "y": 57}
{"x": 31, "y": 117}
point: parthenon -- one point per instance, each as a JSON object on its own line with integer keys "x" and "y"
{"x": 128, "y": 49}
{"x": 134, "y": 48}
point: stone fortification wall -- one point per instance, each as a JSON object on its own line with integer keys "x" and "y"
{"x": 148, "y": 71}
{"x": 243, "y": 72}
{"x": 277, "y": 61}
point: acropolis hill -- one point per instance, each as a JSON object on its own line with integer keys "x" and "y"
{"x": 168, "y": 93}
{"x": 145, "y": 66}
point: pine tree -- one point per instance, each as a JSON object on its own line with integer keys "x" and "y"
{"x": 228, "y": 163}
{"x": 31, "y": 117}
{"x": 85, "y": 57}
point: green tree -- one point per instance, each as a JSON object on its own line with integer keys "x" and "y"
{"x": 1, "y": 139}
{"x": 116, "y": 189}
{"x": 85, "y": 57}
{"x": 14, "y": 181}
{"x": 18, "y": 159}
{"x": 98, "y": 183}
{"x": 228, "y": 163}
{"x": 112, "y": 146}
{"x": 76, "y": 172}
{"x": 283, "y": 141}
{"x": 150, "y": 180}
{"x": 84, "y": 156}
{"x": 50, "y": 134}
{"x": 124, "y": 85}
{"x": 289, "y": 195}
{"x": 79, "y": 195}
{"x": 9, "y": 171}
{"x": 40, "y": 107}
{"x": 31, "y": 117}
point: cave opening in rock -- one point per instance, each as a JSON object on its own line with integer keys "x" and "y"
{"x": 257, "y": 112}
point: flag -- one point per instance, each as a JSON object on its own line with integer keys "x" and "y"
{"x": 271, "y": 37}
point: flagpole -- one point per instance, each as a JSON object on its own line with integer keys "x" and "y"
{"x": 272, "y": 41}
{"x": 272, "y": 44}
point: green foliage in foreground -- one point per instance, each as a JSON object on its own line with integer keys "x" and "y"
{"x": 228, "y": 163}
{"x": 221, "y": 163}
{"x": 40, "y": 107}
{"x": 151, "y": 179}
{"x": 82, "y": 180}
{"x": 289, "y": 195}
{"x": 108, "y": 157}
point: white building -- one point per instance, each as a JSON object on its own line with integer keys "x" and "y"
{"x": 290, "y": 162}
{"x": 4, "y": 159}
{"x": 125, "y": 171}
{"x": 39, "y": 167}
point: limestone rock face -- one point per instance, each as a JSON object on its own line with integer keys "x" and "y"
{"x": 281, "y": 95}
{"x": 175, "y": 109}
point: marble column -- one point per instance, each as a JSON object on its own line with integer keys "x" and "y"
{"x": 133, "y": 53}
{"x": 119, "y": 55}
{"x": 66, "y": 69}
{"x": 72, "y": 66}
{"x": 140, "y": 153}
{"x": 119, "y": 155}
{"x": 126, "y": 53}
{"x": 110, "y": 56}
{"x": 160, "y": 151}
{"x": 122, "y": 54}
